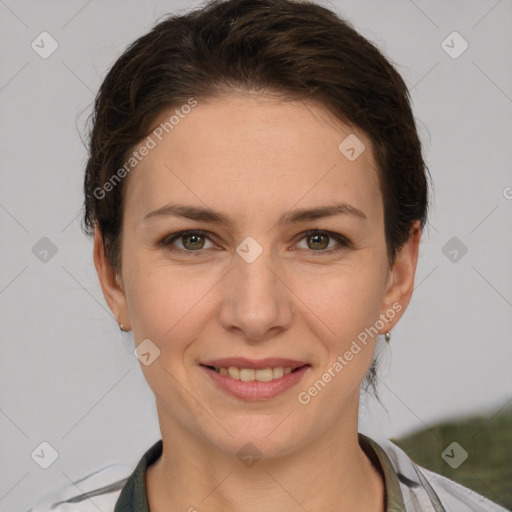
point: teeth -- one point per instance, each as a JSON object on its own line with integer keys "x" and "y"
{"x": 277, "y": 372}
{"x": 234, "y": 372}
{"x": 249, "y": 374}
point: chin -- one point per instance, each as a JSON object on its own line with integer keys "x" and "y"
{"x": 265, "y": 438}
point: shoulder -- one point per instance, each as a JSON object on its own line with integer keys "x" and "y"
{"x": 96, "y": 491}
{"x": 420, "y": 485}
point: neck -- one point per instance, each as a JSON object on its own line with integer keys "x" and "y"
{"x": 192, "y": 475}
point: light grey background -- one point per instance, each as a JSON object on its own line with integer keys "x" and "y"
{"x": 68, "y": 375}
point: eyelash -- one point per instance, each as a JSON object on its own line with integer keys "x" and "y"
{"x": 169, "y": 239}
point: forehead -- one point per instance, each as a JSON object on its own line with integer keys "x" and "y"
{"x": 240, "y": 152}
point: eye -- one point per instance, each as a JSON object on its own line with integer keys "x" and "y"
{"x": 191, "y": 241}
{"x": 194, "y": 241}
{"x": 318, "y": 241}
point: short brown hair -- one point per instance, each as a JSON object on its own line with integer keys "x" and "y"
{"x": 297, "y": 49}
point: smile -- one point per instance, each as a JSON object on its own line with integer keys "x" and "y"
{"x": 255, "y": 384}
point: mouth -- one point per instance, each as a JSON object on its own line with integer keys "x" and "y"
{"x": 255, "y": 380}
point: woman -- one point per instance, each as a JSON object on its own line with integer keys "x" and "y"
{"x": 257, "y": 191}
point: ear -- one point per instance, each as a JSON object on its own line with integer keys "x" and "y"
{"x": 400, "y": 283}
{"x": 111, "y": 283}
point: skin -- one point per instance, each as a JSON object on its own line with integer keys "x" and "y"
{"x": 253, "y": 157}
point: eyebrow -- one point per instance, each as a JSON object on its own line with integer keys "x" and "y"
{"x": 292, "y": 217}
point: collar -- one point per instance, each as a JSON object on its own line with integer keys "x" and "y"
{"x": 380, "y": 459}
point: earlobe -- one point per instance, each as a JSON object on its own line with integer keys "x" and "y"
{"x": 110, "y": 281}
{"x": 401, "y": 281}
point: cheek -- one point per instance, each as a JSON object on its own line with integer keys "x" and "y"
{"x": 167, "y": 305}
{"x": 346, "y": 300}
{"x": 349, "y": 305}
{"x": 167, "y": 308}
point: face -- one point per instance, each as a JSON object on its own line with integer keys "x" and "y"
{"x": 256, "y": 276}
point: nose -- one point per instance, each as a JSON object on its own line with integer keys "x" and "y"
{"x": 256, "y": 302}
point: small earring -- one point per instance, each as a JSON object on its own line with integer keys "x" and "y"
{"x": 387, "y": 336}
{"x": 122, "y": 328}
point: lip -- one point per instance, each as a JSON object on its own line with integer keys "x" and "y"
{"x": 242, "y": 362}
{"x": 255, "y": 390}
